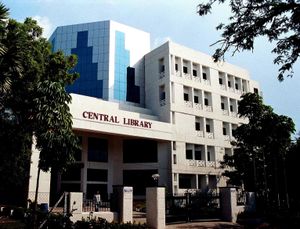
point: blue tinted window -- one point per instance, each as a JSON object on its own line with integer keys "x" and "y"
{"x": 87, "y": 83}
{"x": 122, "y": 61}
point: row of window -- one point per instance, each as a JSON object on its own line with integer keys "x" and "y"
{"x": 134, "y": 151}
{"x": 195, "y": 181}
{"x": 190, "y": 69}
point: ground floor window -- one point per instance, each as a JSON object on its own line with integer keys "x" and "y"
{"x": 139, "y": 180}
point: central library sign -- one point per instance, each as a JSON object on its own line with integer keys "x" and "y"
{"x": 116, "y": 119}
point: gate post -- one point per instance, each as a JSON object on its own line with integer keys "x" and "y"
{"x": 123, "y": 202}
{"x": 155, "y": 207}
{"x": 228, "y": 203}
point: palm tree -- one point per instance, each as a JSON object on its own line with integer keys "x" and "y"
{"x": 3, "y": 21}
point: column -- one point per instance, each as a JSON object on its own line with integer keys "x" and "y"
{"x": 155, "y": 205}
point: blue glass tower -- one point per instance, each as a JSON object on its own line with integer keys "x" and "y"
{"x": 107, "y": 56}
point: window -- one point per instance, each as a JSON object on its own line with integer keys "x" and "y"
{"x": 204, "y": 76}
{"x": 176, "y": 67}
{"x": 229, "y": 84}
{"x": 196, "y": 99}
{"x": 221, "y": 81}
{"x": 73, "y": 173}
{"x": 197, "y": 126}
{"x": 208, "y": 128}
{"x": 208, "y": 156}
{"x": 96, "y": 175}
{"x": 174, "y": 159}
{"x": 224, "y": 131}
{"x": 236, "y": 86}
{"x": 189, "y": 154}
{"x": 186, "y": 96}
{"x": 185, "y": 69}
{"x": 174, "y": 145}
{"x": 255, "y": 90}
{"x": 185, "y": 181}
{"x": 194, "y": 72}
{"x": 175, "y": 176}
{"x": 206, "y": 102}
{"x": 222, "y": 106}
{"x": 97, "y": 150}
{"x": 139, "y": 151}
{"x": 162, "y": 68}
{"x": 231, "y": 108}
{"x": 198, "y": 155}
{"x": 162, "y": 95}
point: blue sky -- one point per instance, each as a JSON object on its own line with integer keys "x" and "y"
{"x": 174, "y": 20}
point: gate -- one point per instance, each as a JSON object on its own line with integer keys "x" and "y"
{"x": 193, "y": 206}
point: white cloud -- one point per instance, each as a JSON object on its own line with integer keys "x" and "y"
{"x": 160, "y": 40}
{"x": 45, "y": 23}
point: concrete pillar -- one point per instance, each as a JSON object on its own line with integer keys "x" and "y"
{"x": 124, "y": 202}
{"x": 229, "y": 208}
{"x": 227, "y": 200}
{"x": 155, "y": 205}
{"x": 75, "y": 203}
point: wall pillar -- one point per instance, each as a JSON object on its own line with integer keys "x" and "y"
{"x": 75, "y": 202}
{"x": 155, "y": 205}
{"x": 124, "y": 202}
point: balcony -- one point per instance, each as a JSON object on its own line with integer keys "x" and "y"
{"x": 226, "y": 138}
{"x": 187, "y": 76}
{"x": 233, "y": 114}
{"x": 201, "y": 163}
{"x": 177, "y": 73}
{"x": 199, "y": 133}
{"x": 162, "y": 102}
{"x": 188, "y": 104}
{"x": 210, "y": 135}
{"x": 198, "y": 163}
{"x": 198, "y": 106}
{"x": 206, "y": 82}
{"x": 225, "y": 112}
{"x": 161, "y": 75}
{"x": 223, "y": 87}
{"x": 210, "y": 164}
{"x": 197, "y": 79}
{"x": 208, "y": 108}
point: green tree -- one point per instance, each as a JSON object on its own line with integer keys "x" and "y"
{"x": 34, "y": 104}
{"x": 292, "y": 163}
{"x": 278, "y": 20}
{"x": 260, "y": 151}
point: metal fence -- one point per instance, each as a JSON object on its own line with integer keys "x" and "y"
{"x": 90, "y": 206}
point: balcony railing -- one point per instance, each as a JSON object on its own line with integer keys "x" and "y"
{"x": 225, "y": 112}
{"x": 211, "y": 164}
{"x": 161, "y": 75}
{"x": 187, "y": 76}
{"x": 210, "y": 135}
{"x": 208, "y": 108}
{"x": 206, "y": 82}
{"x": 197, "y": 79}
{"x": 162, "y": 102}
{"x": 188, "y": 103}
{"x": 198, "y": 106}
{"x": 199, "y": 133}
{"x": 177, "y": 73}
{"x": 226, "y": 138}
{"x": 222, "y": 87}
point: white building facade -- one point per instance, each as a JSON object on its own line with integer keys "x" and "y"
{"x": 171, "y": 114}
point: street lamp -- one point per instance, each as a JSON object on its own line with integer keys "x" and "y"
{"x": 155, "y": 178}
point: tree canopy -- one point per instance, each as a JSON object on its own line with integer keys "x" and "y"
{"x": 278, "y": 20}
{"x": 33, "y": 101}
{"x": 260, "y": 151}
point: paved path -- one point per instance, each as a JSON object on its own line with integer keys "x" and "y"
{"x": 139, "y": 217}
{"x": 205, "y": 225}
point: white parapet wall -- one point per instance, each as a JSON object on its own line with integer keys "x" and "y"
{"x": 75, "y": 207}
